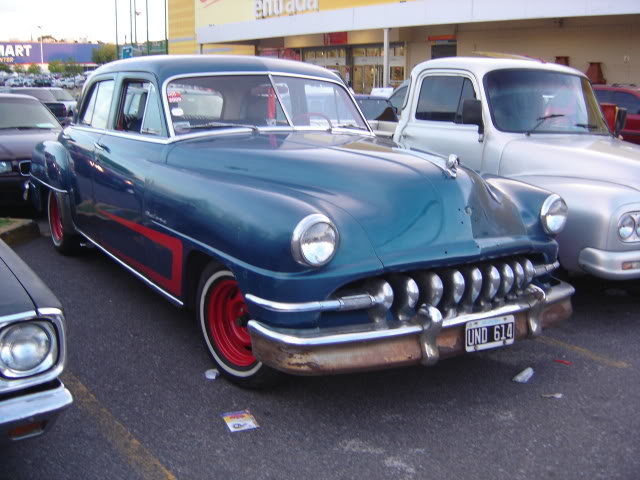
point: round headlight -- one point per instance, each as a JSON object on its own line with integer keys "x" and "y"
{"x": 553, "y": 214}
{"x": 314, "y": 241}
{"x": 626, "y": 226}
{"x": 27, "y": 348}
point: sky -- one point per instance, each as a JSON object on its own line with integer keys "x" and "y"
{"x": 94, "y": 20}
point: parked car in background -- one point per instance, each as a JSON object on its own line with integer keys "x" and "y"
{"x": 303, "y": 243}
{"x": 628, "y": 97}
{"x": 32, "y": 352}
{"x": 377, "y": 110}
{"x": 14, "y": 82}
{"x": 24, "y": 123}
{"x": 61, "y": 95}
{"x": 539, "y": 123}
{"x": 47, "y": 99}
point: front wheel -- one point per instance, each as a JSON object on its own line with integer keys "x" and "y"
{"x": 65, "y": 242}
{"x": 222, "y": 316}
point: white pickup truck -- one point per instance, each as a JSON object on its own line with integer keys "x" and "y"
{"x": 539, "y": 123}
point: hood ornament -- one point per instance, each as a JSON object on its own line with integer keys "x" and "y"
{"x": 453, "y": 162}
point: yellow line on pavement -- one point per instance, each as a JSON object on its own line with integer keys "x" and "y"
{"x": 584, "y": 352}
{"x": 136, "y": 454}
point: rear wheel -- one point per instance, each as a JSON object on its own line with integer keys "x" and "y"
{"x": 223, "y": 316}
{"x": 63, "y": 241}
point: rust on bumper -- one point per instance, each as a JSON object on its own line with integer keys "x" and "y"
{"x": 339, "y": 351}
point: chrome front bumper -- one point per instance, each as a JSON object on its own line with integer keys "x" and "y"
{"x": 35, "y": 413}
{"x": 609, "y": 265}
{"x": 425, "y": 339}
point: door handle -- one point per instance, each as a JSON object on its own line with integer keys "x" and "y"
{"x": 101, "y": 147}
{"x": 64, "y": 136}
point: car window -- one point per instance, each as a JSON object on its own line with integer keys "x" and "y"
{"x": 468, "y": 93}
{"x": 603, "y": 96}
{"x": 25, "y": 113}
{"x": 373, "y": 108}
{"x": 62, "y": 95}
{"x": 96, "y": 113}
{"x": 39, "y": 93}
{"x": 439, "y": 98}
{"x": 139, "y": 112}
{"x": 628, "y": 101}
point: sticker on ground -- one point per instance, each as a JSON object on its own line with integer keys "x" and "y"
{"x": 238, "y": 421}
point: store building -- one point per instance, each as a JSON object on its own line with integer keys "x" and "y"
{"x": 27, "y": 53}
{"x": 350, "y": 36}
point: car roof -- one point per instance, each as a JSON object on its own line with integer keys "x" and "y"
{"x": 483, "y": 64}
{"x": 166, "y": 66}
{"x": 13, "y": 96}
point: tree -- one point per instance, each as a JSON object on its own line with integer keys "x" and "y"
{"x": 56, "y": 66}
{"x": 18, "y": 68}
{"x": 104, "y": 54}
{"x": 71, "y": 67}
{"x": 34, "y": 69}
{"x": 5, "y": 68}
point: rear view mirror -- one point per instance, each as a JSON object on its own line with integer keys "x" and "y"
{"x": 621, "y": 118}
{"x": 472, "y": 113}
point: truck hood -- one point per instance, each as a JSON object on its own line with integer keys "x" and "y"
{"x": 593, "y": 157}
{"x": 409, "y": 208}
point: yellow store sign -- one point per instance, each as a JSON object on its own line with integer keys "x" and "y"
{"x": 220, "y": 12}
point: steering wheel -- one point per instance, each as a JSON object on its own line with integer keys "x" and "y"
{"x": 308, "y": 115}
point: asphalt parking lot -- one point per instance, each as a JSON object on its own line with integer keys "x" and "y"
{"x": 144, "y": 408}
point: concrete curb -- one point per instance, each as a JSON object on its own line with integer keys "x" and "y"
{"x": 19, "y": 231}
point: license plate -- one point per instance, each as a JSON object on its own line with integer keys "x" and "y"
{"x": 489, "y": 333}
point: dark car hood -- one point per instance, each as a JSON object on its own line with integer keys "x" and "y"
{"x": 21, "y": 290}
{"x": 18, "y": 144}
{"x": 409, "y": 207}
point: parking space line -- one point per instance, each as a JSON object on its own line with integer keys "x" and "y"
{"x": 584, "y": 352}
{"x": 135, "y": 453}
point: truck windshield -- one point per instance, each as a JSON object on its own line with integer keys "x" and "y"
{"x": 536, "y": 101}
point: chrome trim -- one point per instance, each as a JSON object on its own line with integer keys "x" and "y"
{"x": 473, "y": 280}
{"x": 507, "y": 279}
{"x": 492, "y": 285}
{"x": 48, "y": 361}
{"x": 452, "y": 163}
{"x": 47, "y": 185}
{"x": 20, "y": 163}
{"x": 406, "y": 293}
{"x": 431, "y": 288}
{"x": 54, "y": 316}
{"x": 151, "y": 284}
{"x": 547, "y": 268}
{"x": 544, "y": 211}
{"x": 301, "y": 228}
{"x": 430, "y": 319}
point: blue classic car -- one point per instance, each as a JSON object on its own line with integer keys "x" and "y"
{"x": 253, "y": 191}
{"x": 32, "y": 352}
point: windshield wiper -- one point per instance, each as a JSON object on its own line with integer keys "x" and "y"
{"x": 349, "y": 125}
{"x": 216, "y": 125}
{"x": 541, "y": 120}
{"x": 589, "y": 126}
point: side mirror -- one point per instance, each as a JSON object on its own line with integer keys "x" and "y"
{"x": 472, "y": 114}
{"x": 621, "y": 118}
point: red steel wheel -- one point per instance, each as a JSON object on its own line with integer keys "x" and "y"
{"x": 223, "y": 316}
{"x": 55, "y": 220}
{"x": 225, "y": 308}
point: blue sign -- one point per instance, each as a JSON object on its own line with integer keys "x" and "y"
{"x": 30, "y": 52}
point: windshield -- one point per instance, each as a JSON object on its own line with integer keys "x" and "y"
{"x": 536, "y": 101}
{"x": 25, "y": 113}
{"x": 214, "y": 102}
{"x": 62, "y": 95}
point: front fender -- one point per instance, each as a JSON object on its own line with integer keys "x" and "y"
{"x": 594, "y": 211}
{"x": 51, "y": 166}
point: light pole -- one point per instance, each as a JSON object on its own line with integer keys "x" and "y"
{"x": 41, "y": 54}
{"x": 117, "y": 52}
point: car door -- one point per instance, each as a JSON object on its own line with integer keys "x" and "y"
{"x": 436, "y": 121}
{"x": 80, "y": 140}
{"x": 130, "y": 150}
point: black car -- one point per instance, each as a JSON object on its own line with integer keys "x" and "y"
{"x": 57, "y": 107}
{"x": 24, "y": 122}
{"x": 32, "y": 352}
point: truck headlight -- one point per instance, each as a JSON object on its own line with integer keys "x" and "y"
{"x": 27, "y": 348}
{"x": 553, "y": 214}
{"x": 626, "y": 226}
{"x": 314, "y": 241}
